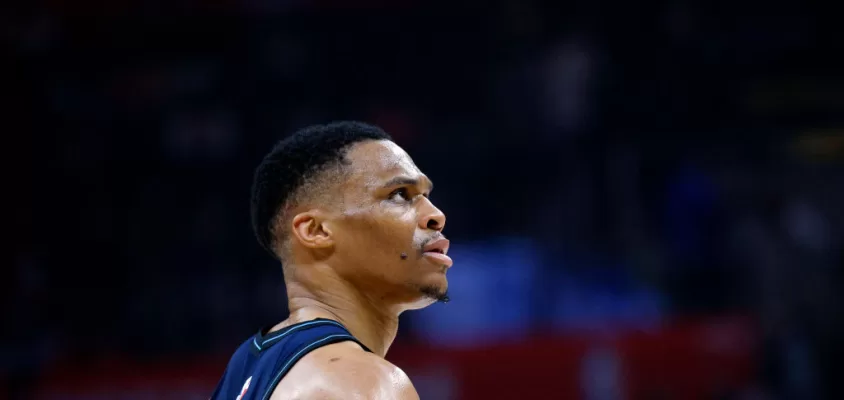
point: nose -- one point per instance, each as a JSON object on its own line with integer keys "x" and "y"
{"x": 430, "y": 217}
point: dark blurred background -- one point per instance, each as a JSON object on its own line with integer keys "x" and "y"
{"x": 645, "y": 201}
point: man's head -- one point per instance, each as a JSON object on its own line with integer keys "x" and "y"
{"x": 343, "y": 195}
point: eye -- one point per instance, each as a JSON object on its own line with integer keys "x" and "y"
{"x": 400, "y": 194}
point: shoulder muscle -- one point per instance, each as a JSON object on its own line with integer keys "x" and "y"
{"x": 345, "y": 371}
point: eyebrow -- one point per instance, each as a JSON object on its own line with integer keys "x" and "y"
{"x": 403, "y": 180}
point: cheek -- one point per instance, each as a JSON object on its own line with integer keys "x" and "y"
{"x": 375, "y": 231}
{"x": 395, "y": 233}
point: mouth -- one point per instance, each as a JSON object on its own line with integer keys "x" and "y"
{"x": 437, "y": 246}
{"x": 436, "y": 251}
{"x": 438, "y": 258}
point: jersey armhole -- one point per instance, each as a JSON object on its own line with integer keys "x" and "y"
{"x": 330, "y": 339}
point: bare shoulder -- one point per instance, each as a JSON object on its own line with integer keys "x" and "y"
{"x": 345, "y": 371}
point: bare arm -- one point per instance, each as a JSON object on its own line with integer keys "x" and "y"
{"x": 344, "y": 371}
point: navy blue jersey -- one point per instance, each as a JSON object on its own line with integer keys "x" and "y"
{"x": 260, "y": 363}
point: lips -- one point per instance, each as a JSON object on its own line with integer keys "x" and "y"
{"x": 436, "y": 251}
{"x": 437, "y": 246}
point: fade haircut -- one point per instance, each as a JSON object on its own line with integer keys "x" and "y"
{"x": 291, "y": 171}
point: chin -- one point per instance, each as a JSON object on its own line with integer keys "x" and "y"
{"x": 425, "y": 294}
{"x": 430, "y": 289}
{"x": 421, "y": 303}
{"x": 434, "y": 293}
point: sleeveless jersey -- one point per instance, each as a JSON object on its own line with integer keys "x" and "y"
{"x": 260, "y": 363}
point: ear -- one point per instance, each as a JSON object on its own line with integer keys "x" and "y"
{"x": 311, "y": 231}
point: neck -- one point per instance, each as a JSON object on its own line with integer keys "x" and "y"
{"x": 315, "y": 291}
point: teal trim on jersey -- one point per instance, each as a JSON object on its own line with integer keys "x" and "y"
{"x": 298, "y": 355}
{"x": 292, "y": 329}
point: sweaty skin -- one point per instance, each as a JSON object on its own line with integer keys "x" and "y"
{"x": 346, "y": 265}
{"x": 345, "y": 371}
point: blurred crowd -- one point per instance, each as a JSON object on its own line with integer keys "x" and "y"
{"x": 601, "y": 170}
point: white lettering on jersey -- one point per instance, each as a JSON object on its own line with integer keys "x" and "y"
{"x": 245, "y": 388}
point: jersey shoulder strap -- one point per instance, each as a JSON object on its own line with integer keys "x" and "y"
{"x": 281, "y": 350}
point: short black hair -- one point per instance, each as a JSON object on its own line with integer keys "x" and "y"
{"x": 293, "y": 162}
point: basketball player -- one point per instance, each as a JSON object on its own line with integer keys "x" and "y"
{"x": 347, "y": 213}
